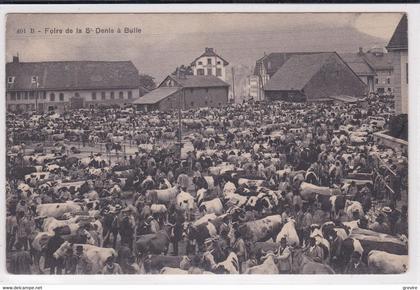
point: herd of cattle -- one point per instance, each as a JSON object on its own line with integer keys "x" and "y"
{"x": 248, "y": 171}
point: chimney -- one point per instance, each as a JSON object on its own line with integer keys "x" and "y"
{"x": 360, "y": 50}
{"x": 16, "y": 59}
{"x": 209, "y": 50}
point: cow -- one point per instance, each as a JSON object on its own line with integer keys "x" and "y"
{"x": 200, "y": 232}
{"x": 158, "y": 208}
{"x": 184, "y": 201}
{"x": 229, "y": 266}
{"x": 97, "y": 256}
{"x": 381, "y": 262}
{"x": 212, "y": 206}
{"x": 57, "y": 209}
{"x": 262, "y": 230}
{"x": 163, "y": 195}
{"x": 289, "y": 232}
{"x": 157, "y": 262}
{"x": 269, "y": 266}
{"x": 301, "y": 264}
{"x": 352, "y": 208}
{"x": 156, "y": 243}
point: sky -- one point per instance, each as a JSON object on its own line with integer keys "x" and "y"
{"x": 169, "y": 40}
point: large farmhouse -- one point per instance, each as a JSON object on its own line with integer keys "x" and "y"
{"x": 62, "y": 85}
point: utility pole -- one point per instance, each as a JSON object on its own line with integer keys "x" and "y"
{"x": 233, "y": 84}
{"x": 36, "y": 96}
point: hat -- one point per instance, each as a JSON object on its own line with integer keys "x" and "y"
{"x": 387, "y": 209}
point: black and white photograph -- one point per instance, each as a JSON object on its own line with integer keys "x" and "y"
{"x": 206, "y": 143}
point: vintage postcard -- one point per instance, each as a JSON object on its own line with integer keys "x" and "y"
{"x": 206, "y": 143}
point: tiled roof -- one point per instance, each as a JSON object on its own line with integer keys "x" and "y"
{"x": 399, "y": 39}
{"x": 379, "y": 61}
{"x": 297, "y": 72}
{"x": 156, "y": 95}
{"x": 190, "y": 81}
{"x": 275, "y": 60}
{"x": 73, "y": 75}
{"x": 210, "y": 52}
{"x": 358, "y": 64}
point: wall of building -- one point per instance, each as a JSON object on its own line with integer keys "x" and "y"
{"x": 195, "y": 98}
{"x": 216, "y": 63}
{"x": 334, "y": 78}
{"x": 61, "y": 100}
{"x": 400, "y": 81}
{"x": 404, "y": 82}
{"x": 384, "y": 81}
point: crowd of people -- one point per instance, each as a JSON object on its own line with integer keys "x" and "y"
{"x": 253, "y": 188}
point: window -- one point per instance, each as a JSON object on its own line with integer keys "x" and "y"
{"x": 112, "y": 96}
{"x": 207, "y": 90}
{"x": 52, "y": 97}
{"x": 388, "y": 80}
{"x": 103, "y": 95}
{"x": 93, "y": 95}
{"x": 376, "y": 81}
{"x": 77, "y": 95}
{"x": 32, "y": 107}
{"x": 200, "y": 63}
{"x": 44, "y": 95}
{"x": 10, "y": 80}
{"x": 34, "y": 79}
{"x": 121, "y": 95}
{"x": 31, "y": 95}
{"x": 209, "y": 61}
{"x": 218, "y": 72}
{"x": 192, "y": 104}
{"x": 130, "y": 94}
{"x": 218, "y": 62}
{"x": 206, "y": 102}
{"x": 28, "y": 107}
{"x": 18, "y": 96}
{"x": 61, "y": 97}
{"x": 13, "y": 96}
{"x": 209, "y": 71}
{"x": 26, "y": 95}
{"x": 200, "y": 72}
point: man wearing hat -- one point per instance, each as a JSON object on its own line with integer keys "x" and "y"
{"x": 53, "y": 244}
{"x": 314, "y": 251}
{"x": 356, "y": 265}
{"x": 83, "y": 265}
{"x": 284, "y": 257}
{"x": 380, "y": 225}
{"x": 111, "y": 267}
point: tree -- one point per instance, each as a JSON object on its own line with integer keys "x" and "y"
{"x": 184, "y": 70}
{"x": 147, "y": 81}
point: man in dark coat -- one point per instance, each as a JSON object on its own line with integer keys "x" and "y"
{"x": 356, "y": 265}
{"x": 53, "y": 245}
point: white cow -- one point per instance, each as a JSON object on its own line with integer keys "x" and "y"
{"x": 212, "y": 206}
{"x": 289, "y": 232}
{"x": 351, "y": 207}
{"x": 184, "y": 201}
{"x": 385, "y": 263}
{"x": 269, "y": 266}
{"x": 57, "y": 209}
{"x": 96, "y": 255}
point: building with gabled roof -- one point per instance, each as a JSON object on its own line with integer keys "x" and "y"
{"x": 398, "y": 50}
{"x": 62, "y": 85}
{"x": 307, "y": 77}
{"x": 210, "y": 64}
{"x": 361, "y": 67}
{"x": 185, "y": 92}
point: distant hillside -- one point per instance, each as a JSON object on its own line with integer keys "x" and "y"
{"x": 244, "y": 49}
